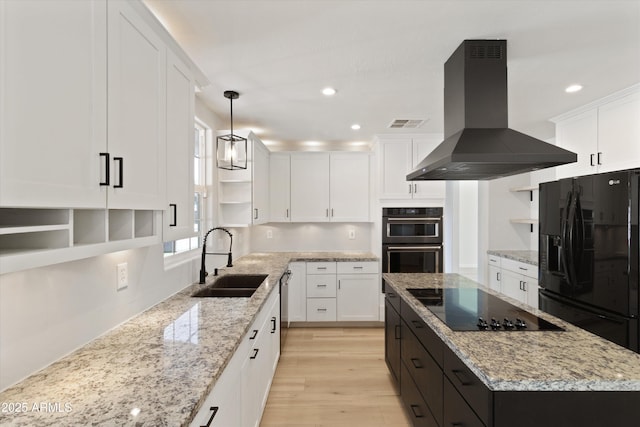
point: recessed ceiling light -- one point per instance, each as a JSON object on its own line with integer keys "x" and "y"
{"x": 573, "y": 88}
{"x": 328, "y": 91}
{"x": 312, "y": 143}
{"x": 355, "y": 126}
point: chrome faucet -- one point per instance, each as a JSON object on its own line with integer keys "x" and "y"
{"x": 203, "y": 270}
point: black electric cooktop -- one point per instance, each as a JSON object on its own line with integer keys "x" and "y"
{"x": 472, "y": 309}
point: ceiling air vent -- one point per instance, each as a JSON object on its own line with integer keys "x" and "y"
{"x": 406, "y": 124}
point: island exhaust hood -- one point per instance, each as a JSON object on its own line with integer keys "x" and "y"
{"x": 478, "y": 145}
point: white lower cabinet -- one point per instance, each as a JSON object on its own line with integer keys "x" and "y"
{"x": 240, "y": 394}
{"x": 342, "y": 291}
{"x": 514, "y": 279}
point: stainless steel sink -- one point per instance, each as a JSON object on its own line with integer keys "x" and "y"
{"x": 232, "y": 285}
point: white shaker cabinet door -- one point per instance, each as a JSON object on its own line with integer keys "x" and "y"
{"x": 178, "y": 215}
{"x": 395, "y": 164}
{"x": 349, "y": 187}
{"x": 53, "y": 63}
{"x": 358, "y": 297}
{"x": 580, "y": 135}
{"x": 137, "y": 114}
{"x": 260, "y": 183}
{"x": 310, "y": 187}
{"x": 619, "y": 134}
{"x": 426, "y": 189}
{"x": 279, "y": 188}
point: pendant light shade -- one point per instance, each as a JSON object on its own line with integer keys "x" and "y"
{"x": 231, "y": 150}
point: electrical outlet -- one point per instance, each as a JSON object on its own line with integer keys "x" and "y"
{"x": 269, "y": 234}
{"x": 122, "y": 279}
{"x": 352, "y": 234}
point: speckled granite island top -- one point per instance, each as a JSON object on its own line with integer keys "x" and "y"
{"x": 163, "y": 362}
{"x": 571, "y": 360}
{"x": 528, "y": 257}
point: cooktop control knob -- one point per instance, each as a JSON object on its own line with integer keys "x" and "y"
{"x": 495, "y": 325}
{"x": 482, "y": 324}
{"x": 507, "y": 324}
{"x": 520, "y": 324}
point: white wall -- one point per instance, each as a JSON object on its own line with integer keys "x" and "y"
{"x": 311, "y": 237}
{"x": 45, "y": 313}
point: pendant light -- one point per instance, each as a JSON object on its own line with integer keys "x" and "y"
{"x": 231, "y": 150}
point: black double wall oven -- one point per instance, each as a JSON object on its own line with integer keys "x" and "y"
{"x": 412, "y": 240}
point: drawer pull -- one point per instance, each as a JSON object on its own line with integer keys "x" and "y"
{"x": 321, "y": 286}
{"x": 273, "y": 325}
{"x": 356, "y": 267}
{"x": 255, "y": 353}
{"x": 255, "y": 334}
{"x": 416, "y": 412}
{"x": 462, "y": 377}
{"x": 321, "y": 268}
{"x": 396, "y": 332}
{"x": 391, "y": 295}
{"x": 523, "y": 268}
{"x": 417, "y": 324}
{"x": 416, "y": 363}
{"x": 322, "y": 309}
{"x": 214, "y": 411}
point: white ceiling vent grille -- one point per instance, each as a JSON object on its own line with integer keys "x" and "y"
{"x": 406, "y": 124}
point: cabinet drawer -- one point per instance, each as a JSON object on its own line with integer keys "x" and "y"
{"x": 321, "y": 309}
{"x": 425, "y": 334}
{"x": 520, "y": 268}
{"x": 321, "y": 267}
{"x": 321, "y": 285}
{"x": 494, "y": 260}
{"x": 393, "y": 298}
{"x": 365, "y": 267}
{"x": 417, "y": 409}
{"x": 425, "y": 372}
{"x": 474, "y": 392}
{"x": 456, "y": 411}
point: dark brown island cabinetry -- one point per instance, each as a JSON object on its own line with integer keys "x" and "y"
{"x": 439, "y": 390}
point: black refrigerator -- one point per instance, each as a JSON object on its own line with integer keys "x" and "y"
{"x": 588, "y": 253}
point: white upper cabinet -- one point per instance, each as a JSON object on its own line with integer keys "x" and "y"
{"x": 330, "y": 187}
{"x": 178, "y": 215}
{"x": 53, "y": 103}
{"x": 398, "y": 157}
{"x": 349, "y": 187}
{"x": 310, "y": 187}
{"x": 603, "y": 134}
{"x": 136, "y": 110}
{"x": 279, "y": 187}
{"x": 260, "y": 184}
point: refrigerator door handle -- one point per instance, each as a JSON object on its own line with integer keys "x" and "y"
{"x": 565, "y": 241}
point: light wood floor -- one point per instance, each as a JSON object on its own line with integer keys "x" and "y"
{"x": 333, "y": 377}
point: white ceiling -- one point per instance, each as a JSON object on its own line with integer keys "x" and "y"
{"x": 385, "y": 58}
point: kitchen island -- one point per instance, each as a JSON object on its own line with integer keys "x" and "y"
{"x": 157, "y": 368}
{"x": 504, "y": 377}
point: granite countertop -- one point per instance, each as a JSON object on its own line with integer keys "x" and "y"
{"x": 528, "y": 257}
{"x": 161, "y": 364}
{"x": 527, "y": 361}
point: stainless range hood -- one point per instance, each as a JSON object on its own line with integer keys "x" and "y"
{"x": 478, "y": 145}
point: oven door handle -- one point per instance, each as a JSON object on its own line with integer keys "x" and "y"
{"x": 413, "y": 248}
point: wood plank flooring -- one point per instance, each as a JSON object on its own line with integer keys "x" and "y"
{"x": 333, "y": 377}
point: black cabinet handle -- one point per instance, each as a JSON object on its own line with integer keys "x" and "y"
{"x": 417, "y": 324}
{"x": 120, "y": 161}
{"x": 255, "y": 353}
{"x": 416, "y": 414}
{"x": 107, "y": 173}
{"x": 255, "y": 213}
{"x": 416, "y": 363}
{"x": 462, "y": 377}
{"x": 396, "y": 332}
{"x": 175, "y": 214}
{"x": 591, "y": 159}
{"x": 273, "y": 325}
{"x": 214, "y": 411}
{"x": 255, "y": 334}
{"x": 598, "y": 157}
{"x": 391, "y": 295}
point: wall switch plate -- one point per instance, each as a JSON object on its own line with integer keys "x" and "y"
{"x": 269, "y": 234}
{"x": 352, "y": 234}
{"x": 122, "y": 278}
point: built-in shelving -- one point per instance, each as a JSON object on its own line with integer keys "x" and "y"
{"x": 31, "y": 238}
{"x": 530, "y": 221}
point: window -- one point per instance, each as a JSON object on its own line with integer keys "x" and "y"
{"x": 202, "y": 133}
